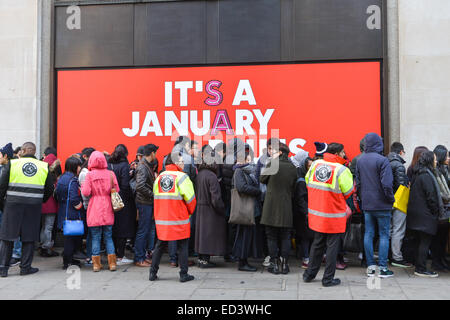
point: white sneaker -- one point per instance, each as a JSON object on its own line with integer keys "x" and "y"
{"x": 266, "y": 262}
{"x": 371, "y": 271}
{"x": 123, "y": 261}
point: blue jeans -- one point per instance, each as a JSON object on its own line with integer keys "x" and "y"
{"x": 383, "y": 219}
{"x": 89, "y": 244}
{"x": 143, "y": 234}
{"x": 151, "y": 241}
{"x": 96, "y": 234}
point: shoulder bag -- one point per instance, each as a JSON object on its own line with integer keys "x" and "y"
{"x": 116, "y": 200}
{"x": 72, "y": 227}
{"x": 242, "y": 208}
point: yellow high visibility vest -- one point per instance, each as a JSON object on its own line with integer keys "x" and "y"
{"x": 27, "y": 178}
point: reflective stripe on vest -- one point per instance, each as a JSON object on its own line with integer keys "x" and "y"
{"x": 27, "y": 179}
{"x": 172, "y": 223}
{"x": 326, "y": 215}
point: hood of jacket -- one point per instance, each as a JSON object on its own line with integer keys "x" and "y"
{"x": 373, "y": 143}
{"x": 395, "y": 157}
{"x": 50, "y": 159}
{"x": 299, "y": 159}
{"x": 97, "y": 160}
{"x": 333, "y": 158}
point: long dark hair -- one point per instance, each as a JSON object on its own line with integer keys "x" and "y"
{"x": 120, "y": 154}
{"x": 72, "y": 165}
{"x": 426, "y": 161}
{"x": 441, "y": 153}
{"x": 417, "y": 153}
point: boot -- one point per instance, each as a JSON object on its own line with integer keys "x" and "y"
{"x": 184, "y": 277}
{"x": 4, "y": 272}
{"x": 284, "y": 266}
{"x": 112, "y": 262}
{"x": 274, "y": 266}
{"x": 244, "y": 266}
{"x": 96, "y": 263}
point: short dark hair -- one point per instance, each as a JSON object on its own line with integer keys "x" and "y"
{"x": 50, "y": 150}
{"x": 272, "y": 141}
{"x": 87, "y": 151}
{"x": 149, "y": 148}
{"x": 335, "y": 148}
{"x": 397, "y": 147}
{"x": 284, "y": 149}
{"x": 72, "y": 165}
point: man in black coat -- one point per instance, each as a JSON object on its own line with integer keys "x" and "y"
{"x": 24, "y": 185}
{"x": 398, "y": 224}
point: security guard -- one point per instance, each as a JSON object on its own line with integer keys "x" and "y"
{"x": 329, "y": 184}
{"x": 175, "y": 202}
{"x": 24, "y": 185}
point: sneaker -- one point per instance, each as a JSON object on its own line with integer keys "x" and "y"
{"x": 88, "y": 262}
{"x": 385, "y": 273}
{"x": 305, "y": 264}
{"x": 266, "y": 262}
{"x": 426, "y": 273}
{"x": 401, "y": 263}
{"x": 371, "y": 271}
{"x": 14, "y": 262}
{"x": 123, "y": 261}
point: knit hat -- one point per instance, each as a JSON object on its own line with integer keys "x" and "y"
{"x": 321, "y": 148}
{"x": 8, "y": 150}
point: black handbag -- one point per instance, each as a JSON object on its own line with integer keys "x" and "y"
{"x": 354, "y": 237}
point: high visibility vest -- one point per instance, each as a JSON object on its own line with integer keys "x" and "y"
{"x": 27, "y": 178}
{"x": 174, "y": 201}
{"x": 329, "y": 185}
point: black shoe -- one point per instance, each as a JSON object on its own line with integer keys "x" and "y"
{"x": 4, "y": 272}
{"x": 204, "y": 264}
{"x": 401, "y": 264}
{"x": 30, "y": 270}
{"x": 284, "y": 266}
{"x": 186, "y": 277}
{"x": 274, "y": 266}
{"x": 76, "y": 262}
{"x": 247, "y": 267}
{"x": 79, "y": 255}
{"x": 152, "y": 276}
{"x": 307, "y": 278}
{"x": 14, "y": 262}
{"x": 332, "y": 283}
{"x": 48, "y": 253}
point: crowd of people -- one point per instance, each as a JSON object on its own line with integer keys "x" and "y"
{"x": 282, "y": 202}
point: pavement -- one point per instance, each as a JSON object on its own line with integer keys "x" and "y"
{"x": 224, "y": 282}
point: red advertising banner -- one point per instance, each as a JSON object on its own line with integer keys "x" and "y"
{"x": 300, "y": 103}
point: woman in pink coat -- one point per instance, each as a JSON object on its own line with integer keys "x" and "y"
{"x": 100, "y": 214}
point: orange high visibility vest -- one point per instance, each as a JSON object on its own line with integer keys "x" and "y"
{"x": 174, "y": 201}
{"x": 329, "y": 185}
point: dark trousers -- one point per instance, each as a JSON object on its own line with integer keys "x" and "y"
{"x": 278, "y": 241}
{"x": 423, "y": 245}
{"x": 438, "y": 244}
{"x": 71, "y": 244}
{"x": 322, "y": 241}
{"x": 183, "y": 252}
{"x": 120, "y": 244}
{"x": 6, "y": 249}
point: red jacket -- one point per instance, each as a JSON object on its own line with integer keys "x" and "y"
{"x": 51, "y": 206}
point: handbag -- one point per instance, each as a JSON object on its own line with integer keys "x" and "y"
{"x": 116, "y": 200}
{"x": 354, "y": 238}
{"x": 401, "y": 199}
{"x": 72, "y": 227}
{"x": 242, "y": 208}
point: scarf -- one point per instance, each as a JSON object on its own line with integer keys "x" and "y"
{"x": 442, "y": 213}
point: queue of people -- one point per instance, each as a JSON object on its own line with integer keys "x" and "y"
{"x": 277, "y": 204}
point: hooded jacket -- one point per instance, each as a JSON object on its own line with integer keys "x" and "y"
{"x": 398, "y": 170}
{"x": 98, "y": 185}
{"x": 373, "y": 175}
{"x": 54, "y": 165}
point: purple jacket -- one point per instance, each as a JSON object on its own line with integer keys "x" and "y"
{"x": 373, "y": 175}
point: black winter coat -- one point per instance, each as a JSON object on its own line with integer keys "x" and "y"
{"x": 125, "y": 219}
{"x": 211, "y": 226}
{"x": 423, "y": 205}
{"x": 398, "y": 170}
